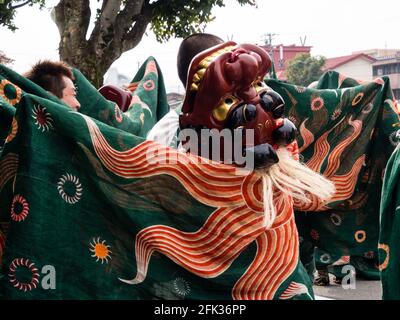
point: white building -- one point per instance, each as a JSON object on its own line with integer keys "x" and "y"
{"x": 357, "y": 66}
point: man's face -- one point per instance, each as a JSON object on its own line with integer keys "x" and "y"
{"x": 69, "y": 94}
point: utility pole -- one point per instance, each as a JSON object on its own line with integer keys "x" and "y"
{"x": 268, "y": 37}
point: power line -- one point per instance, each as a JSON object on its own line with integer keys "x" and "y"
{"x": 268, "y": 38}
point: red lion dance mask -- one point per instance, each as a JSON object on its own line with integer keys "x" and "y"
{"x": 225, "y": 90}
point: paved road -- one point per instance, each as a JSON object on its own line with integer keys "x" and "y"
{"x": 365, "y": 290}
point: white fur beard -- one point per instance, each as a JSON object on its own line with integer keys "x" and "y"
{"x": 293, "y": 180}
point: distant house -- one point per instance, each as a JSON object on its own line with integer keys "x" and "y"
{"x": 368, "y": 65}
{"x": 357, "y": 66}
{"x": 389, "y": 66}
{"x": 378, "y": 53}
{"x": 282, "y": 54}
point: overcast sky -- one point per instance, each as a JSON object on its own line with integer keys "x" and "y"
{"x": 332, "y": 28}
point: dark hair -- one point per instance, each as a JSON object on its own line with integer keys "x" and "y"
{"x": 190, "y": 47}
{"x": 49, "y": 75}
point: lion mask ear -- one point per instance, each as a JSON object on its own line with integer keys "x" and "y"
{"x": 115, "y": 94}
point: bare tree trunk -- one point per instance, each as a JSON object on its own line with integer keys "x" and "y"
{"x": 115, "y": 32}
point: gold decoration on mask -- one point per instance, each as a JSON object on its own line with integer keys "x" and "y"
{"x": 196, "y": 78}
{"x": 194, "y": 87}
{"x": 203, "y": 65}
{"x": 221, "y": 111}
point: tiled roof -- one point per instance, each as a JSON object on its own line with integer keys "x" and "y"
{"x": 333, "y": 63}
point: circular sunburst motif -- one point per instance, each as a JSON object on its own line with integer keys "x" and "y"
{"x": 148, "y": 85}
{"x": 118, "y": 114}
{"x": 336, "y": 114}
{"x": 10, "y": 92}
{"x": 101, "y": 251}
{"x": 336, "y": 219}
{"x": 300, "y": 89}
{"x": 357, "y": 99}
{"x": 19, "y": 209}
{"x": 368, "y": 108}
{"x": 385, "y": 263}
{"x": 43, "y": 120}
{"x": 70, "y": 188}
{"x": 360, "y": 236}
{"x": 181, "y": 287}
{"x": 29, "y": 267}
{"x": 325, "y": 258}
{"x": 317, "y": 104}
{"x": 13, "y": 132}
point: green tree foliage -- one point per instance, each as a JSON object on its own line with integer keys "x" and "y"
{"x": 120, "y": 25}
{"x": 9, "y": 7}
{"x": 177, "y": 18}
{"x": 4, "y": 59}
{"x": 304, "y": 69}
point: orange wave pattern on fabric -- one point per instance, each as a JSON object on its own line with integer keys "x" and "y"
{"x": 307, "y": 136}
{"x": 276, "y": 258}
{"x": 231, "y": 228}
{"x": 321, "y": 150}
{"x": 334, "y": 157}
{"x": 207, "y": 252}
{"x": 345, "y": 183}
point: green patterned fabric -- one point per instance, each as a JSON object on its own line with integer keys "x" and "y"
{"x": 7, "y": 112}
{"x": 85, "y": 195}
{"x": 346, "y": 132}
{"x": 153, "y": 107}
{"x": 389, "y": 242}
{"x": 149, "y": 102}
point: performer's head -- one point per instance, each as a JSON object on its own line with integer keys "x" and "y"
{"x": 225, "y": 91}
{"x": 57, "y": 78}
{"x": 191, "y": 46}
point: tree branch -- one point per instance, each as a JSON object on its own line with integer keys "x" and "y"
{"x": 72, "y": 19}
{"x": 19, "y": 5}
{"x": 121, "y": 34}
{"x": 109, "y": 12}
{"x": 103, "y": 29}
{"x": 128, "y": 15}
{"x": 59, "y": 17}
{"x": 135, "y": 35}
